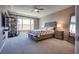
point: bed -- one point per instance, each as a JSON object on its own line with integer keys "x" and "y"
{"x": 44, "y": 33}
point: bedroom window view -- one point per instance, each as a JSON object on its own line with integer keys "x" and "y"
{"x": 73, "y": 24}
{"x": 25, "y": 24}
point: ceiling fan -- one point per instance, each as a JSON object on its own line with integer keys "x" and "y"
{"x": 37, "y": 9}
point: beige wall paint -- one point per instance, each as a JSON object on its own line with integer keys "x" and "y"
{"x": 62, "y": 17}
{"x": 36, "y": 23}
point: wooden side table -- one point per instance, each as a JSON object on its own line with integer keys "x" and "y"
{"x": 59, "y": 35}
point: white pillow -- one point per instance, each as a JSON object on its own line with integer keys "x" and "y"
{"x": 50, "y": 28}
{"x": 44, "y": 28}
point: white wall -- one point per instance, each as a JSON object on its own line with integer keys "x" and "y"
{"x": 1, "y": 36}
{"x": 3, "y": 8}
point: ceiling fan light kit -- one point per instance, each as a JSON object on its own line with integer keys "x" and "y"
{"x": 37, "y": 9}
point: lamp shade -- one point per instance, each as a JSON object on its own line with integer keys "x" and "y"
{"x": 59, "y": 25}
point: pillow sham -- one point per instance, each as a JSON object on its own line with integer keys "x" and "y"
{"x": 50, "y": 28}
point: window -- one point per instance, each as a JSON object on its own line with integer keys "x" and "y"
{"x": 19, "y": 24}
{"x": 25, "y": 24}
{"x": 73, "y": 24}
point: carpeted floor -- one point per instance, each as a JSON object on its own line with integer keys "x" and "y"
{"x": 23, "y": 45}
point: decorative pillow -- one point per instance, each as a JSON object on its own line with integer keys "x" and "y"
{"x": 44, "y": 28}
{"x": 50, "y": 28}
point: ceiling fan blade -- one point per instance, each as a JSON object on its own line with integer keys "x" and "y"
{"x": 37, "y": 9}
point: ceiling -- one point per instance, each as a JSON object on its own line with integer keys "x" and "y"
{"x": 27, "y": 9}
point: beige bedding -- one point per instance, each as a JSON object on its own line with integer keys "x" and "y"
{"x": 41, "y": 32}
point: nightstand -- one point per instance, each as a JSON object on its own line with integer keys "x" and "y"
{"x": 59, "y": 35}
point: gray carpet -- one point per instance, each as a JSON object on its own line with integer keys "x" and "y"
{"x": 23, "y": 45}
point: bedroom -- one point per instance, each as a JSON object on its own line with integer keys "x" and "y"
{"x": 19, "y": 39}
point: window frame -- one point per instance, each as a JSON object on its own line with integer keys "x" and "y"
{"x": 73, "y": 14}
{"x": 23, "y": 18}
